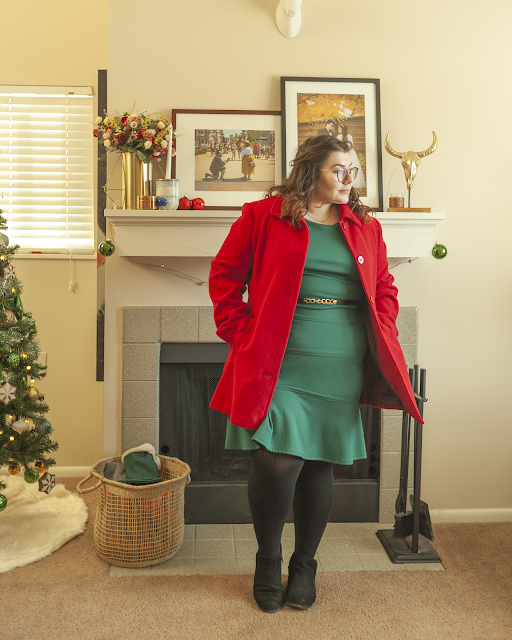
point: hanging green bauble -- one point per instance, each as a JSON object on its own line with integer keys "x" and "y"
{"x": 106, "y": 248}
{"x": 3, "y": 502}
{"x": 439, "y": 251}
{"x": 13, "y": 359}
{"x": 5, "y": 239}
{"x": 19, "y": 306}
{"x": 31, "y": 475}
{"x": 44, "y": 427}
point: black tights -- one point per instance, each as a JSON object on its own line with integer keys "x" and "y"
{"x": 277, "y": 481}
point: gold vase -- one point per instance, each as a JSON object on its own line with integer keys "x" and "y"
{"x": 137, "y": 179}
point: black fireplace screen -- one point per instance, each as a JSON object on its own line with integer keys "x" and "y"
{"x": 193, "y": 432}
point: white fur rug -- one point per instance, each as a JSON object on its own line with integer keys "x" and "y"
{"x": 35, "y": 524}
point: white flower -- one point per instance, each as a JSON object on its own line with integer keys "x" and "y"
{"x": 164, "y": 144}
{"x": 161, "y": 125}
{"x": 147, "y": 144}
{"x": 106, "y": 135}
{"x": 157, "y": 153}
{"x": 98, "y": 120}
{"x": 105, "y": 120}
{"x": 107, "y": 143}
{"x": 133, "y": 115}
{"x": 133, "y": 124}
{"x": 167, "y": 137}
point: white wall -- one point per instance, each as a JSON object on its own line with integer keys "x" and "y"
{"x": 442, "y": 66}
{"x": 60, "y": 43}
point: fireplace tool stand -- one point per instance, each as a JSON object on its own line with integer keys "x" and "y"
{"x": 415, "y": 547}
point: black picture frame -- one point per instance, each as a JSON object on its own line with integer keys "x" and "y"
{"x": 353, "y": 105}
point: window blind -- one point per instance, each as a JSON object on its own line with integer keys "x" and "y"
{"x": 46, "y": 168}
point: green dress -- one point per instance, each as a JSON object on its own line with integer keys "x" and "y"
{"x": 314, "y": 413}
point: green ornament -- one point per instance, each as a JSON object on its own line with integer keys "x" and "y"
{"x": 31, "y": 475}
{"x": 13, "y": 359}
{"x": 44, "y": 427}
{"x": 3, "y": 502}
{"x": 5, "y": 240}
{"x": 439, "y": 251}
{"x": 19, "y": 306}
{"x": 106, "y": 248}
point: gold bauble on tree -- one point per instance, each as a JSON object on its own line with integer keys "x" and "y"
{"x": 40, "y": 466}
{"x": 10, "y": 318}
{"x": 14, "y": 469}
{"x": 31, "y": 393}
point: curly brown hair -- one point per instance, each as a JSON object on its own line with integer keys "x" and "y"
{"x": 297, "y": 190}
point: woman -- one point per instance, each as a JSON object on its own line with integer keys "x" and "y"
{"x": 316, "y": 337}
{"x": 343, "y": 134}
{"x": 247, "y": 170}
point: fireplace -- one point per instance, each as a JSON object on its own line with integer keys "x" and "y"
{"x": 172, "y": 360}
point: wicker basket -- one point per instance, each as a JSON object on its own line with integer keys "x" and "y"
{"x": 138, "y": 526}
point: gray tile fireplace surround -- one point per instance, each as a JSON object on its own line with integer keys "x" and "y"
{"x": 145, "y": 328}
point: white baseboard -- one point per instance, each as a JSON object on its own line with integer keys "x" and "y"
{"x": 61, "y": 472}
{"x": 470, "y": 515}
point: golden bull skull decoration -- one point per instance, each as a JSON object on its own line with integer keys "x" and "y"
{"x": 411, "y": 159}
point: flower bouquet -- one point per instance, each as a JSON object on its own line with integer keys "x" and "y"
{"x": 146, "y": 135}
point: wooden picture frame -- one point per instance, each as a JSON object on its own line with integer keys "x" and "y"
{"x": 198, "y": 129}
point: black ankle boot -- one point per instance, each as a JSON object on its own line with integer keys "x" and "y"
{"x": 301, "y": 591}
{"x": 268, "y": 589}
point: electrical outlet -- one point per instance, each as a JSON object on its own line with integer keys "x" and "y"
{"x": 43, "y": 358}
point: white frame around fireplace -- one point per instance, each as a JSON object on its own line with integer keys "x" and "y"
{"x": 201, "y": 233}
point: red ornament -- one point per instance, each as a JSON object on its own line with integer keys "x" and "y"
{"x": 185, "y": 203}
{"x": 198, "y": 203}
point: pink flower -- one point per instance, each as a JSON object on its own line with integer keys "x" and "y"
{"x": 96, "y": 133}
{"x": 133, "y": 136}
{"x": 106, "y": 135}
{"x": 134, "y": 124}
{"x": 115, "y": 142}
{"x": 159, "y": 148}
{"x": 173, "y": 152}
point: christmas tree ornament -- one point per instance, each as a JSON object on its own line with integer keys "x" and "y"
{"x": 4, "y": 260}
{"x": 20, "y": 425}
{"x": 198, "y": 204}
{"x": 19, "y": 306}
{"x": 439, "y": 251}
{"x": 23, "y": 356}
{"x": 31, "y": 393}
{"x": 13, "y": 359}
{"x": 40, "y": 466}
{"x": 31, "y": 476}
{"x": 7, "y": 393}
{"x": 5, "y": 240}
{"x": 14, "y": 469}
{"x": 106, "y": 248}
{"x": 44, "y": 427}
{"x": 8, "y": 271}
{"x": 46, "y": 482}
{"x": 10, "y": 318}
{"x": 3, "y": 502}
{"x": 161, "y": 201}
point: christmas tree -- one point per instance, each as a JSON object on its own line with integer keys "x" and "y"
{"x": 24, "y": 429}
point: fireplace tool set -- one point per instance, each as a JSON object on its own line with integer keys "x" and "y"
{"x": 409, "y": 542}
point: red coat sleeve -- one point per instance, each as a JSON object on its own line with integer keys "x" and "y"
{"x": 386, "y": 301}
{"x": 230, "y": 274}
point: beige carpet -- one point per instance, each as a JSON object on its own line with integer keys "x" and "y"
{"x": 70, "y": 596}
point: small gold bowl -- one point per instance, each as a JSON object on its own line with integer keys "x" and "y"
{"x": 146, "y": 202}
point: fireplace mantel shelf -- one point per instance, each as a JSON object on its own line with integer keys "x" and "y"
{"x": 201, "y": 233}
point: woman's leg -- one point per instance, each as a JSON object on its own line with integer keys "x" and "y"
{"x": 314, "y": 495}
{"x": 312, "y": 504}
{"x": 271, "y": 489}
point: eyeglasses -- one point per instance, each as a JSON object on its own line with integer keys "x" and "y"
{"x": 342, "y": 174}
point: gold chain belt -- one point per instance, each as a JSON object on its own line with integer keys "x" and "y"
{"x": 327, "y": 301}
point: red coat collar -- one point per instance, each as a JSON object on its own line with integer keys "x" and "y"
{"x": 346, "y": 212}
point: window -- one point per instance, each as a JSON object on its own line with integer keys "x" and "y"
{"x": 46, "y": 168}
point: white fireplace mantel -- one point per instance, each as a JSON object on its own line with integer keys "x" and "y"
{"x": 201, "y": 233}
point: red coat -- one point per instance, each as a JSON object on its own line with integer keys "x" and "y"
{"x": 268, "y": 254}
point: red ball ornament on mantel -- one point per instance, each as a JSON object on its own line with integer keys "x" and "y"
{"x": 198, "y": 203}
{"x": 185, "y": 203}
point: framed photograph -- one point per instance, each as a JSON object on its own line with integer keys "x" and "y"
{"x": 342, "y": 107}
{"x": 226, "y": 158}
